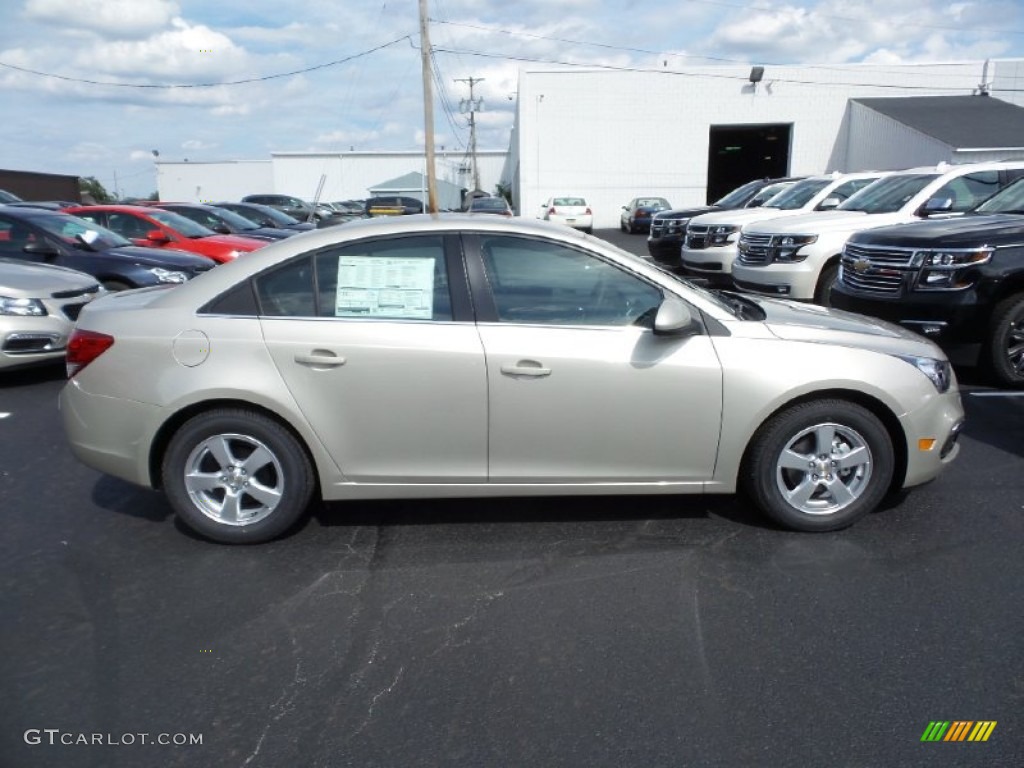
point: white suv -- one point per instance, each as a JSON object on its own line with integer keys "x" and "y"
{"x": 709, "y": 247}
{"x": 798, "y": 257}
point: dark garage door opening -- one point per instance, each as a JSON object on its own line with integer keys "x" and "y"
{"x": 740, "y": 153}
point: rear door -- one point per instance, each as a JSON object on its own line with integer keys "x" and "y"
{"x": 376, "y": 342}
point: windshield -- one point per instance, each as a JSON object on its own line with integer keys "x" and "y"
{"x": 233, "y": 220}
{"x": 888, "y": 195}
{"x": 1008, "y": 200}
{"x": 73, "y": 231}
{"x": 766, "y": 194}
{"x": 740, "y": 195}
{"x": 180, "y": 224}
{"x": 797, "y": 196}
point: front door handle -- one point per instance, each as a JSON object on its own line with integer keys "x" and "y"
{"x": 320, "y": 360}
{"x": 525, "y": 368}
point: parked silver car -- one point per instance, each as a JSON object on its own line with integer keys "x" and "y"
{"x": 468, "y": 356}
{"x": 38, "y": 307}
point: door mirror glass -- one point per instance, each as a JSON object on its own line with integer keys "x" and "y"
{"x": 156, "y": 236}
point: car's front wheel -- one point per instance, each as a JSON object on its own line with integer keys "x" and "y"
{"x": 820, "y": 465}
{"x": 235, "y": 475}
{"x": 1006, "y": 344}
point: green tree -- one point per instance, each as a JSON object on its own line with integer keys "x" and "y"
{"x": 91, "y": 188}
{"x": 504, "y": 190}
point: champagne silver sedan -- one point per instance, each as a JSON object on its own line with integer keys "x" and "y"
{"x": 459, "y": 356}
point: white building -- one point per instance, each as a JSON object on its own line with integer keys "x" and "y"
{"x": 692, "y": 136}
{"x": 345, "y": 175}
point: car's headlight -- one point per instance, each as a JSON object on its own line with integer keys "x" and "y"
{"x": 785, "y": 248}
{"x": 167, "y": 276}
{"x": 940, "y": 269}
{"x": 722, "y": 234}
{"x": 22, "y": 307}
{"x": 939, "y": 372}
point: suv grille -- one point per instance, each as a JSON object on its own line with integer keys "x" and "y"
{"x": 878, "y": 271}
{"x": 696, "y": 237}
{"x": 667, "y": 227}
{"x": 755, "y": 248}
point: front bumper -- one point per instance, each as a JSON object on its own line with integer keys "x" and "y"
{"x": 945, "y": 317}
{"x": 932, "y": 431}
{"x": 785, "y": 281}
{"x": 28, "y": 341}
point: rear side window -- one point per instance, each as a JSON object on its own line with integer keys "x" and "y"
{"x": 391, "y": 279}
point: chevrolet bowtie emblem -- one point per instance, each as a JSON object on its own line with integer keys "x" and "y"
{"x": 861, "y": 265}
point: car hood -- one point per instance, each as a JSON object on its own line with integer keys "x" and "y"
{"x": 822, "y": 222}
{"x": 20, "y": 280}
{"x": 968, "y": 231}
{"x": 742, "y": 216}
{"x": 236, "y": 242}
{"x": 794, "y": 321}
{"x": 686, "y": 213}
{"x": 159, "y": 257}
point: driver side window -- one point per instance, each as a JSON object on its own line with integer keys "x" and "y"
{"x": 540, "y": 282}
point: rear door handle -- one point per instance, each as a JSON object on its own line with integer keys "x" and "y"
{"x": 525, "y": 368}
{"x": 320, "y": 360}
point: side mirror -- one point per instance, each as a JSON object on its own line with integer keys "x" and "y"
{"x": 937, "y": 205}
{"x": 41, "y": 248}
{"x": 221, "y": 229}
{"x": 674, "y": 319}
{"x": 829, "y": 203}
{"x": 158, "y": 237}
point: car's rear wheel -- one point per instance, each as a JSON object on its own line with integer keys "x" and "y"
{"x": 235, "y": 475}
{"x": 1006, "y": 341}
{"x": 820, "y": 466}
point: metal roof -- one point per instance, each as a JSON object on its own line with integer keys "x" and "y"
{"x": 962, "y": 122}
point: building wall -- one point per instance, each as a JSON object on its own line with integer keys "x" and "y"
{"x": 29, "y": 185}
{"x": 877, "y": 142}
{"x": 210, "y": 182}
{"x": 611, "y": 136}
{"x": 349, "y": 175}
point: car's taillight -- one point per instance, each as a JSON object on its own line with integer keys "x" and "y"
{"x": 589, "y": 213}
{"x": 83, "y": 348}
{"x": 551, "y": 211}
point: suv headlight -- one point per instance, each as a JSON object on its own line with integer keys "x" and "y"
{"x": 22, "y": 307}
{"x": 722, "y": 235}
{"x": 940, "y": 270}
{"x": 785, "y": 247}
{"x": 167, "y": 276}
{"x": 939, "y": 372}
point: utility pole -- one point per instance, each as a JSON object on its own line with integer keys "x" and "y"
{"x": 472, "y": 106}
{"x": 428, "y": 110}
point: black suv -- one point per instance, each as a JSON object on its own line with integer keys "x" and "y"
{"x": 665, "y": 242}
{"x": 957, "y": 281}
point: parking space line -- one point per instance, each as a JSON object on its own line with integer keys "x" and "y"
{"x": 996, "y": 394}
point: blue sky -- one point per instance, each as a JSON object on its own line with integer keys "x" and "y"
{"x": 160, "y": 68}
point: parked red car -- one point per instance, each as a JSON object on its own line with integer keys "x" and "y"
{"x": 157, "y": 228}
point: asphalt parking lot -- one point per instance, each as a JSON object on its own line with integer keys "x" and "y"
{"x": 659, "y": 631}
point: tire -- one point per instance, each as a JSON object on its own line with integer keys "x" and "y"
{"x": 258, "y": 486}
{"x": 116, "y": 285}
{"x": 1006, "y": 341}
{"x": 622, "y": 226}
{"x": 823, "y": 291}
{"x": 779, "y": 477}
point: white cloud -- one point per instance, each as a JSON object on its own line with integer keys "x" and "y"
{"x": 112, "y": 18}
{"x": 196, "y": 144}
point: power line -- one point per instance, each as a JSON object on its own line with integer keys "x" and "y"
{"x": 677, "y": 73}
{"x": 171, "y": 86}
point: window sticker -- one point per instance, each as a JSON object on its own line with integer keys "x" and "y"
{"x": 390, "y": 286}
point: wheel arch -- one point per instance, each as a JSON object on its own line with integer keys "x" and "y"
{"x": 162, "y": 438}
{"x": 874, "y": 405}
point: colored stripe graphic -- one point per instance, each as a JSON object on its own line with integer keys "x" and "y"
{"x": 958, "y": 730}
